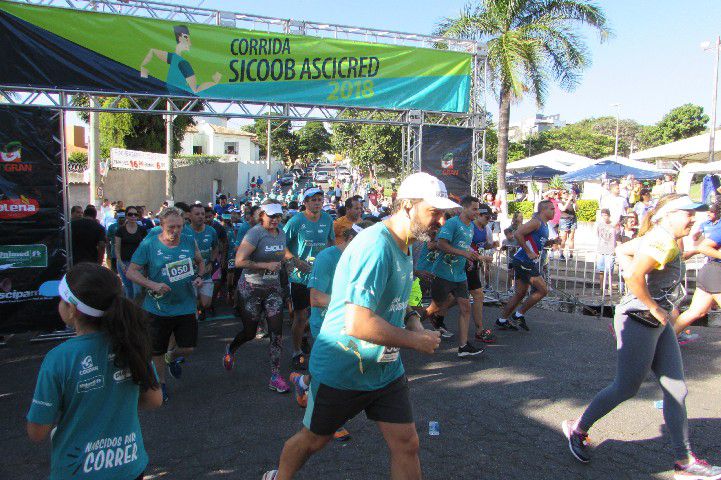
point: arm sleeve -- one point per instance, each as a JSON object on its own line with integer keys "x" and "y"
{"x": 45, "y": 405}
{"x": 367, "y": 279}
{"x": 185, "y": 69}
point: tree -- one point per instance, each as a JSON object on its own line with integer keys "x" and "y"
{"x": 375, "y": 148}
{"x": 681, "y": 122}
{"x": 529, "y": 43}
{"x": 313, "y": 140}
{"x": 629, "y": 132}
{"x": 135, "y": 131}
{"x": 283, "y": 142}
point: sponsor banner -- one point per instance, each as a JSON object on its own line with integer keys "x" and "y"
{"x": 69, "y": 49}
{"x": 32, "y": 238}
{"x": 135, "y": 160}
{"x": 23, "y": 256}
{"x": 446, "y": 154}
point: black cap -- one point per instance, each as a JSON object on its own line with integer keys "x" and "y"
{"x": 484, "y": 209}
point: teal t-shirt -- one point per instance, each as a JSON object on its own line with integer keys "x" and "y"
{"x": 187, "y": 230}
{"x": 374, "y": 273}
{"x": 172, "y": 266}
{"x": 95, "y": 407}
{"x": 110, "y": 233}
{"x": 306, "y": 239}
{"x": 207, "y": 240}
{"x": 459, "y": 235}
{"x": 321, "y": 278}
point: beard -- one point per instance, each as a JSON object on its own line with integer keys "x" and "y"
{"x": 422, "y": 233}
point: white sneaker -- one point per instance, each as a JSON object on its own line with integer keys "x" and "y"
{"x": 269, "y": 475}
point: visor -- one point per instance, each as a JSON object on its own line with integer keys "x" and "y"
{"x": 681, "y": 203}
{"x": 312, "y": 191}
{"x": 271, "y": 209}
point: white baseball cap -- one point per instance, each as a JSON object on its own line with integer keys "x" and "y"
{"x": 428, "y": 188}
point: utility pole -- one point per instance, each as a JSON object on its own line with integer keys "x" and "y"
{"x": 169, "y": 185}
{"x": 94, "y": 154}
{"x": 618, "y": 119}
{"x": 267, "y": 151}
{"x": 712, "y": 135}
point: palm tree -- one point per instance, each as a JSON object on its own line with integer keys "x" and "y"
{"x": 530, "y": 43}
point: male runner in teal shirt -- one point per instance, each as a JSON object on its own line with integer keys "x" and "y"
{"x": 356, "y": 363}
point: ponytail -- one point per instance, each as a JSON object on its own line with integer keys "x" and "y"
{"x": 647, "y": 223}
{"x": 126, "y": 325}
{"x": 122, "y": 320}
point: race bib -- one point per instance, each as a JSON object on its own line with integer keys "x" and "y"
{"x": 389, "y": 354}
{"x": 269, "y": 275}
{"x": 179, "y": 270}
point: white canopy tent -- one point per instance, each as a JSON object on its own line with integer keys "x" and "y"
{"x": 685, "y": 175}
{"x": 692, "y": 149}
{"x": 556, "y": 159}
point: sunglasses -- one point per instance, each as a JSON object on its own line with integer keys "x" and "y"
{"x": 131, "y": 214}
{"x": 276, "y": 216}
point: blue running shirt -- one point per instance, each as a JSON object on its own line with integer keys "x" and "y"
{"x": 321, "y": 278}
{"x": 447, "y": 265}
{"x": 306, "y": 239}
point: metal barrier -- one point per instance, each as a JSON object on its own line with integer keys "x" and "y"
{"x": 575, "y": 281}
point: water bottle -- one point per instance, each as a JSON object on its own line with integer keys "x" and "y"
{"x": 434, "y": 428}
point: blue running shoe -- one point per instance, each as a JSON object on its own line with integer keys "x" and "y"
{"x": 174, "y": 366}
{"x": 165, "y": 393}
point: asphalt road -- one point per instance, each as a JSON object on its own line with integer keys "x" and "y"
{"x": 499, "y": 413}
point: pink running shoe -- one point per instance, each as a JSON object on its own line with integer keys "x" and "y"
{"x": 278, "y": 384}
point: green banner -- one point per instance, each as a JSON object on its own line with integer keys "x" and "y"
{"x": 23, "y": 256}
{"x": 85, "y": 50}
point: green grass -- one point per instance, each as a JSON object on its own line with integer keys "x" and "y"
{"x": 695, "y": 191}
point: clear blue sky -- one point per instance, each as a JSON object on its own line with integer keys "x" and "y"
{"x": 652, "y": 64}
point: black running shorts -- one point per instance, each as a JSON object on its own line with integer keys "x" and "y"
{"x": 330, "y": 408}
{"x": 441, "y": 288}
{"x": 525, "y": 271}
{"x": 473, "y": 276}
{"x": 300, "y": 295}
{"x": 185, "y": 328}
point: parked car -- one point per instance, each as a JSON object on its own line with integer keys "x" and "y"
{"x": 321, "y": 176}
{"x": 287, "y": 179}
{"x": 343, "y": 174}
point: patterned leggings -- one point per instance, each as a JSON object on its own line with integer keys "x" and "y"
{"x": 254, "y": 300}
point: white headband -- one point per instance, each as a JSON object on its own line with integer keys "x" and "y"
{"x": 671, "y": 206}
{"x": 311, "y": 191}
{"x": 67, "y": 295}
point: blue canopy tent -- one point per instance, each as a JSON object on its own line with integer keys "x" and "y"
{"x": 537, "y": 173}
{"x": 608, "y": 169}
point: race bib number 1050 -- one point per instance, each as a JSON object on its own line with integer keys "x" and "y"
{"x": 179, "y": 270}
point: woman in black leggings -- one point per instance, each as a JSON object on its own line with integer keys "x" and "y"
{"x": 652, "y": 269}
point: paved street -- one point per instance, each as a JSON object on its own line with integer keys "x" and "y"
{"x": 499, "y": 414}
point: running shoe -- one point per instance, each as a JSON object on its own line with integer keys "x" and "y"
{"x": 579, "y": 443}
{"x": 521, "y": 322}
{"x": 506, "y": 324}
{"x": 278, "y": 384}
{"x": 165, "y": 393}
{"x": 269, "y": 475}
{"x": 342, "y": 435}
{"x": 301, "y": 394}
{"x": 440, "y": 326}
{"x": 228, "y": 358}
{"x": 469, "y": 350}
{"x": 174, "y": 366}
{"x": 697, "y": 470}
{"x": 686, "y": 337}
{"x": 485, "y": 336}
{"x": 299, "y": 362}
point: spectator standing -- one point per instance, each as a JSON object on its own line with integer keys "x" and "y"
{"x": 614, "y": 203}
{"x": 567, "y": 223}
{"x": 644, "y": 205}
{"x": 110, "y": 236}
{"x": 605, "y": 232}
{"x": 657, "y": 190}
{"x": 669, "y": 186}
{"x": 87, "y": 238}
{"x": 76, "y": 212}
{"x": 629, "y": 228}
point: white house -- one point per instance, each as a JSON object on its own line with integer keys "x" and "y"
{"x": 215, "y": 138}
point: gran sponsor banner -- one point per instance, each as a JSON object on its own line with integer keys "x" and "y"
{"x": 135, "y": 160}
{"x": 32, "y": 240}
{"x": 69, "y": 49}
{"x": 446, "y": 154}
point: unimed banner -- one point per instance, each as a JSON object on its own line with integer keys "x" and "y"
{"x": 68, "y": 49}
{"x": 446, "y": 154}
{"x": 32, "y": 240}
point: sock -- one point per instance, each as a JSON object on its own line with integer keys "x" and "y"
{"x": 502, "y": 320}
{"x": 517, "y": 314}
{"x": 301, "y": 383}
